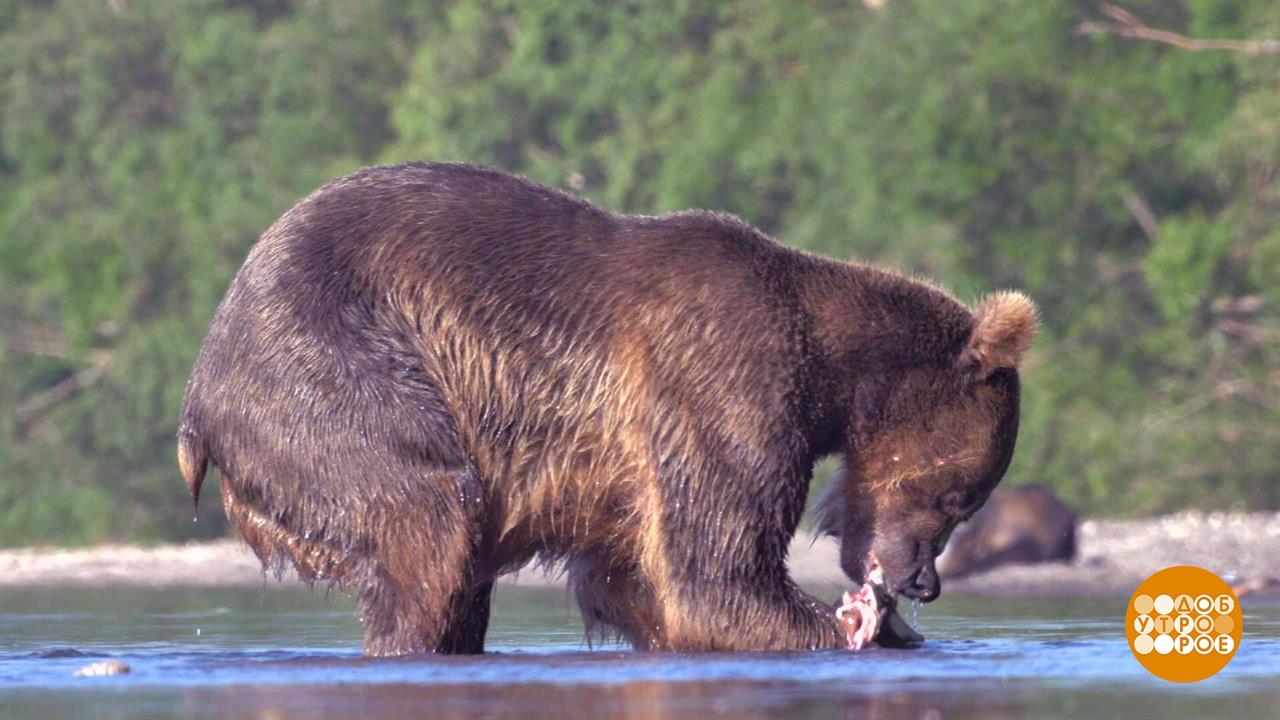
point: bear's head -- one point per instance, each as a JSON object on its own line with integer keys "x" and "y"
{"x": 934, "y": 444}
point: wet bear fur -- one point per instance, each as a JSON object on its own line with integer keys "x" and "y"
{"x": 427, "y": 375}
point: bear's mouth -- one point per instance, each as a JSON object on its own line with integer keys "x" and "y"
{"x": 873, "y": 571}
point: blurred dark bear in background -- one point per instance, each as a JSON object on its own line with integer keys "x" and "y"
{"x": 1018, "y": 525}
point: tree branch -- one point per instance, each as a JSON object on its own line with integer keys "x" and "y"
{"x": 1141, "y": 212}
{"x": 1125, "y": 25}
{"x": 64, "y": 390}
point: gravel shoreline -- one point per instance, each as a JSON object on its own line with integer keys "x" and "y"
{"x": 1114, "y": 556}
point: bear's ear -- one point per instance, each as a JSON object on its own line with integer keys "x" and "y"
{"x": 1005, "y": 323}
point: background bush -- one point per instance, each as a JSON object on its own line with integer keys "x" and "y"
{"x": 1129, "y": 187}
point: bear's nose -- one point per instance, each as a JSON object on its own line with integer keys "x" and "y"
{"x": 924, "y": 585}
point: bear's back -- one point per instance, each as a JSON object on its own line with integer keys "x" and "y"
{"x": 442, "y": 269}
{"x": 482, "y": 236}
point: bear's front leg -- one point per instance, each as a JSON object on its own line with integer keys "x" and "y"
{"x": 763, "y": 616}
{"x": 615, "y": 600}
{"x": 729, "y": 596}
{"x": 655, "y": 611}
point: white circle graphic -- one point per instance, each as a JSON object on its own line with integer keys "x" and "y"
{"x": 1143, "y": 644}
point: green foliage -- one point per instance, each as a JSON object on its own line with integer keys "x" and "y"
{"x": 1128, "y": 187}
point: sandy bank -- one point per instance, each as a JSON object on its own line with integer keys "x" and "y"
{"x": 1115, "y": 555}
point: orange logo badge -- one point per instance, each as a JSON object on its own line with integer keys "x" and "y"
{"x": 1183, "y": 624}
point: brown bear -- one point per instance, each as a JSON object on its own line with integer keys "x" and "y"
{"x": 1025, "y": 524}
{"x": 425, "y": 376}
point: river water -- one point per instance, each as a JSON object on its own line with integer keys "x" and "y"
{"x": 276, "y": 654}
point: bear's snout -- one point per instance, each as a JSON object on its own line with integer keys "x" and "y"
{"x": 923, "y": 584}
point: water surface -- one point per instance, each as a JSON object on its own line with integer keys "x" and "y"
{"x": 295, "y": 654}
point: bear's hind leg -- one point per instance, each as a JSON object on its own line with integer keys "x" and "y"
{"x": 419, "y": 593}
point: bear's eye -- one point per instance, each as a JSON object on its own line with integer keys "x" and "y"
{"x": 952, "y": 503}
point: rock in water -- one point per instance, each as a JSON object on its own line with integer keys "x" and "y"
{"x": 895, "y": 632}
{"x": 106, "y": 667}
